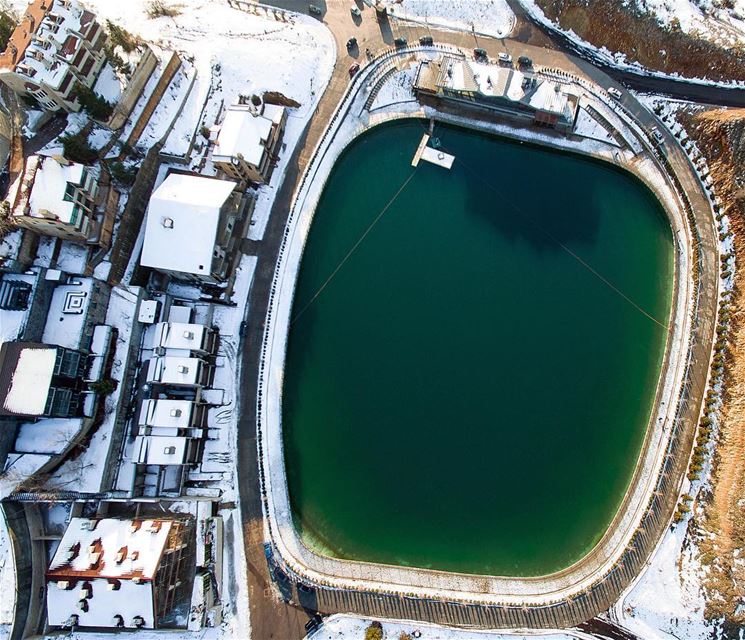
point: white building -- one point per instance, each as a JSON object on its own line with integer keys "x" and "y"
{"x": 170, "y": 432}
{"x": 58, "y": 198}
{"x": 193, "y": 226}
{"x": 181, "y": 339}
{"x": 248, "y": 139}
{"x": 119, "y": 573}
{"x": 57, "y": 44}
{"x": 179, "y": 371}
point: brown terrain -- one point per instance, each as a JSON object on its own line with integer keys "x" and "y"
{"x": 719, "y": 526}
{"x": 624, "y": 28}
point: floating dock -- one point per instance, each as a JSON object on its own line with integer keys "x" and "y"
{"x": 420, "y": 150}
{"x": 428, "y": 154}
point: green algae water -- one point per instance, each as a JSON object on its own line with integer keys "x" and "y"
{"x": 465, "y": 394}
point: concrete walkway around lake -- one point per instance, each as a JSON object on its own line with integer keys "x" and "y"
{"x": 567, "y": 597}
{"x": 272, "y": 619}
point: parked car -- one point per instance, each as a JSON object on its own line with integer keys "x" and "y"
{"x": 524, "y": 61}
{"x": 351, "y": 43}
{"x": 354, "y": 69}
{"x": 505, "y": 57}
{"x": 400, "y": 42}
{"x": 314, "y": 10}
{"x": 355, "y": 11}
{"x": 657, "y": 135}
{"x": 480, "y": 54}
{"x": 615, "y": 93}
{"x": 426, "y": 41}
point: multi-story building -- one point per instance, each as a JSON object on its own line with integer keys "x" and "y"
{"x": 58, "y": 198}
{"x": 193, "y": 227}
{"x": 248, "y": 139}
{"x": 530, "y": 96}
{"x": 112, "y": 573}
{"x": 179, "y": 371}
{"x": 39, "y": 380}
{"x": 57, "y": 45}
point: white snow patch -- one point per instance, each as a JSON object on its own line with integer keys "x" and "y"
{"x": 486, "y": 17}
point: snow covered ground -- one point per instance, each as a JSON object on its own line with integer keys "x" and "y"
{"x": 486, "y": 17}
{"x": 7, "y": 581}
{"x": 343, "y": 627}
{"x": 673, "y": 8}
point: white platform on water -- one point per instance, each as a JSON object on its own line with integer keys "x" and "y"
{"x": 435, "y": 156}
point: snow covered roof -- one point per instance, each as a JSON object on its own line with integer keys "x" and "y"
{"x": 166, "y": 413}
{"x": 43, "y": 187}
{"x": 160, "y": 450}
{"x": 67, "y": 313}
{"x": 26, "y": 371}
{"x": 244, "y": 132}
{"x": 176, "y": 335}
{"x": 104, "y": 568}
{"x": 173, "y": 370}
{"x": 182, "y": 223}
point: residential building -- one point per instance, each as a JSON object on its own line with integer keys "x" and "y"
{"x": 193, "y": 228}
{"x": 179, "y": 371}
{"x": 121, "y": 573}
{"x": 248, "y": 140}
{"x": 534, "y": 97}
{"x": 58, "y": 198}
{"x": 181, "y": 339}
{"x": 57, "y": 44}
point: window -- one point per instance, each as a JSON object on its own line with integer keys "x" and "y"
{"x": 68, "y": 363}
{"x": 70, "y": 191}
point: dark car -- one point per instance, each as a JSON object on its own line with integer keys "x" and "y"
{"x": 354, "y": 69}
{"x": 480, "y": 54}
{"x": 426, "y": 41}
{"x": 313, "y": 624}
{"x": 524, "y": 61}
{"x": 351, "y": 43}
{"x": 400, "y": 42}
{"x": 314, "y": 10}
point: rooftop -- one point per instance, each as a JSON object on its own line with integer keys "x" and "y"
{"x": 175, "y": 335}
{"x": 26, "y": 371}
{"x": 173, "y": 370}
{"x": 67, "y": 313}
{"x": 166, "y": 413}
{"x": 244, "y": 132}
{"x": 182, "y": 223}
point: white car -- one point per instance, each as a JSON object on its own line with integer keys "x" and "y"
{"x": 505, "y": 57}
{"x": 657, "y": 135}
{"x": 614, "y": 92}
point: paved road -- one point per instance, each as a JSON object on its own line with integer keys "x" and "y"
{"x": 270, "y": 617}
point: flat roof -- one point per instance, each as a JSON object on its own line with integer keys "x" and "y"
{"x": 27, "y": 370}
{"x": 166, "y": 413}
{"x": 244, "y": 132}
{"x": 173, "y": 370}
{"x": 176, "y": 335}
{"x": 182, "y": 223}
{"x": 160, "y": 450}
{"x": 67, "y": 313}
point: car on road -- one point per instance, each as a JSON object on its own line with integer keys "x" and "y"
{"x": 524, "y": 61}
{"x": 314, "y": 10}
{"x": 400, "y": 42}
{"x": 480, "y": 54}
{"x": 505, "y": 57}
{"x": 426, "y": 41}
{"x": 615, "y": 93}
{"x": 657, "y": 135}
{"x": 354, "y": 69}
{"x": 351, "y": 43}
{"x": 354, "y": 10}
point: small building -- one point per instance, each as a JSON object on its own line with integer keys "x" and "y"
{"x": 179, "y": 371}
{"x": 247, "y": 143}
{"x": 58, "y": 198}
{"x": 39, "y": 380}
{"x": 117, "y": 573}
{"x": 77, "y": 307}
{"x": 193, "y": 227}
{"x": 57, "y": 45}
{"x": 534, "y": 97}
{"x": 181, "y": 339}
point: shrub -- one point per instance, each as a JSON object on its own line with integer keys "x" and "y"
{"x": 121, "y": 37}
{"x": 104, "y": 387}
{"x": 92, "y": 103}
{"x": 77, "y": 149}
{"x": 8, "y": 23}
{"x": 374, "y": 631}
{"x": 122, "y": 174}
{"x": 159, "y": 9}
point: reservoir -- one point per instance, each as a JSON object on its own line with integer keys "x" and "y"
{"x": 474, "y": 353}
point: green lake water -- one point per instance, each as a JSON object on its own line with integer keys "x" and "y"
{"x": 471, "y": 390}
